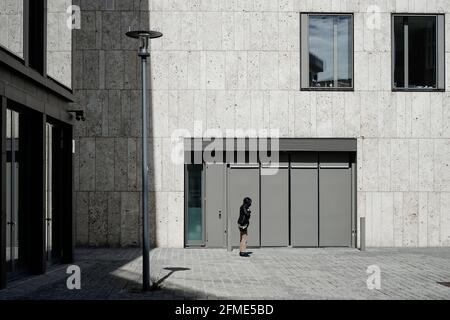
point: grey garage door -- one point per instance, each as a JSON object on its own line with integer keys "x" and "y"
{"x": 304, "y": 200}
{"x": 275, "y": 206}
{"x": 335, "y": 221}
{"x": 243, "y": 181}
{"x": 321, "y": 200}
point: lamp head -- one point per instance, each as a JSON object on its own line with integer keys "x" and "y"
{"x": 143, "y": 37}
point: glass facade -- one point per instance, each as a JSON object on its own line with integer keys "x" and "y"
{"x": 37, "y": 189}
{"x": 11, "y": 26}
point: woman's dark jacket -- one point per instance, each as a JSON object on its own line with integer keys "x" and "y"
{"x": 244, "y": 216}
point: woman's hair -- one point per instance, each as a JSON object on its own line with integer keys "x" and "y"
{"x": 247, "y": 201}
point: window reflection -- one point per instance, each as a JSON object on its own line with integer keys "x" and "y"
{"x": 344, "y": 49}
{"x": 330, "y": 51}
{"x": 321, "y": 62}
{"x": 195, "y": 225}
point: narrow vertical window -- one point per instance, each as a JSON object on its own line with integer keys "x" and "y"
{"x": 418, "y": 52}
{"x": 327, "y": 51}
{"x": 194, "y": 204}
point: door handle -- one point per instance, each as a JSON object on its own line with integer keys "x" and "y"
{"x": 10, "y": 223}
{"x": 220, "y": 214}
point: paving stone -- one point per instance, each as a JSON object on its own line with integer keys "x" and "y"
{"x": 282, "y": 273}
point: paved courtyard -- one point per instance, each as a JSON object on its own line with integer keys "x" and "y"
{"x": 282, "y": 273}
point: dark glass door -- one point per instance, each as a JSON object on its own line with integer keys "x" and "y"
{"x": 48, "y": 191}
{"x": 194, "y": 226}
{"x": 53, "y": 195}
{"x": 16, "y": 236}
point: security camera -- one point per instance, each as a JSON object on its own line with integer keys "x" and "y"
{"x": 79, "y": 114}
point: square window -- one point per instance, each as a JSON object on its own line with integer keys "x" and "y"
{"x": 418, "y": 52}
{"x": 327, "y": 51}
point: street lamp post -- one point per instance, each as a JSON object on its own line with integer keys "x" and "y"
{"x": 144, "y": 38}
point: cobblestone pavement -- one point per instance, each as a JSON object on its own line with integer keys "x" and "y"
{"x": 281, "y": 273}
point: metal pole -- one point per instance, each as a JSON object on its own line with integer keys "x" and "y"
{"x": 146, "y": 282}
{"x": 362, "y": 235}
{"x": 144, "y": 38}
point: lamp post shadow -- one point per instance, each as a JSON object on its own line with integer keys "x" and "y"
{"x": 157, "y": 284}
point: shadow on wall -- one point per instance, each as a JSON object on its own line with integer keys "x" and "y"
{"x": 107, "y": 164}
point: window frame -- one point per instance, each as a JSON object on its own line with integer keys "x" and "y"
{"x": 440, "y": 53}
{"x": 304, "y": 51}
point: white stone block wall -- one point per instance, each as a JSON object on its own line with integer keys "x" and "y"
{"x": 234, "y": 64}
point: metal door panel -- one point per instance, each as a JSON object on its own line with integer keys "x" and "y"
{"x": 335, "y": 207}
{"x": 244, "y": 182}
{"x": 214, "y": 205}
{"x": 304, "y": 207}
{"x": 274, "y": 207}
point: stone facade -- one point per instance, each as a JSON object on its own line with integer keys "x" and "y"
{"x": 59, "y": 42}
{"x": 236, "y": 63}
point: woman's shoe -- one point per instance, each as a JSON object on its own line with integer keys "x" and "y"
{"x": 244, "y": 254}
